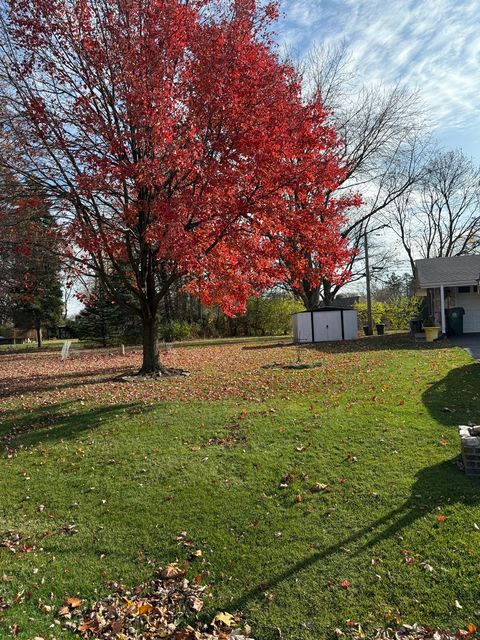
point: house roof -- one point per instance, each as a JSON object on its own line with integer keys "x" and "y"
{"x": 453, "y": 271}
{"x": 343, "y": 302}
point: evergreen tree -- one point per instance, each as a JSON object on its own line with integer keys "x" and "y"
{"x": 37, "y": 298}
{"x": 104, "y": 321}
{"x": 30, "y": 255}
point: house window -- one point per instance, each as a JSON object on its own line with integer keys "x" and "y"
{"x": 463, "y": 289}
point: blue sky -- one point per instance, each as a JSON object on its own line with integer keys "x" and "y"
{"x": 430, "y": 45}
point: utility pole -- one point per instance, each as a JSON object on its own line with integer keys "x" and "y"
{"x": 369, "y": 292}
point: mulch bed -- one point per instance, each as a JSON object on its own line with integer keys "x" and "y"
{"x": 297, "y": 365}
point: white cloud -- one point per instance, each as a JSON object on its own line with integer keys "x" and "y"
{"x": 432, "y": 45}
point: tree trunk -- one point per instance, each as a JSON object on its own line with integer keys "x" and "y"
{"x": 151, "y": 356}
{"x": 104, "y": 330}
{"x": 328, "y": 293}
{"x": 168, "y": 306}
{"x": 311, "y": 298}
{"x": 38, "y": 330}
{"x": 151, "y": 366}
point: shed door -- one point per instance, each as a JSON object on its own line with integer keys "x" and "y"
{"x": 302, "y": 327}
{"x": 471, "y": 303}
{"x": 327, "y": 326}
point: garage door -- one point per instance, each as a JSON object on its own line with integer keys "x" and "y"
{"x": 471, "y": 303}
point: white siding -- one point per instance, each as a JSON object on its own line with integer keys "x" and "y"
{"x": 350, "y": 324}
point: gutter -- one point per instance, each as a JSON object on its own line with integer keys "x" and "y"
{"x": 435, "y": 285}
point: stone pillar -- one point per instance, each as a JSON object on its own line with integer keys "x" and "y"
{"x": 470, "y": 444}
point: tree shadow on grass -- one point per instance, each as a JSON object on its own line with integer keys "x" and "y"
{"x": 451, "y": 401}
{"x": 437, "y": 486}
{"x": 61, "y": 381}
{"x": 455, "y": 399}
{"x": 61, "y": 421}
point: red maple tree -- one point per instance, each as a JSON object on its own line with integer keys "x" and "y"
{"x": 175, "y": 143}
{"x": 313, "y": 248}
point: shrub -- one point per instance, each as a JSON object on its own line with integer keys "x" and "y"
{"x": 400, "y": 310}
{"x": 378, "y": 312}
{"x": 271, "y": 315}
{"x": 395, "y": 314}
{"x": 174, "y": 330}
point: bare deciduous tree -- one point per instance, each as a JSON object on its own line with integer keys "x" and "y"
{"x": 382, "y": 140}
{"x": 440, "y": 216}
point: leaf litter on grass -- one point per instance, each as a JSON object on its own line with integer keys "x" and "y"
{"x": 406, "y": 632}
{"x": 217, "y": 373}
{"x": 15, "y": 542}
{"x": 166, "y": 607}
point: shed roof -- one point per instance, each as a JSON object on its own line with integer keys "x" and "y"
{"x": 456, "y": 270}
{"x": 323, "y": 309}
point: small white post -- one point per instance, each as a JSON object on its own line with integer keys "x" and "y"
{"x": 442, "y": 308}
{"x": 122, "y": 349}
{"x": 66, "y": 350}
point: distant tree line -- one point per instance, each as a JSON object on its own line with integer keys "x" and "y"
{"x": 104, "y": 322}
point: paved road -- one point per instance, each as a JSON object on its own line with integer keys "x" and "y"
{"x": 470, "y": 342}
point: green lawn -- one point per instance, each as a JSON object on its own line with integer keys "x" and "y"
{"x": 376, "y": 424}
{"x": 53, "y": 344}
{"x": 57, "y": 344}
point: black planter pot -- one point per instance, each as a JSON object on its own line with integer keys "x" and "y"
{"x": 380, "y": 329}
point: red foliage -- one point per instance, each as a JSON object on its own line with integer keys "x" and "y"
{"x": 312, "y": 247}
{"x": 187, "y": 152}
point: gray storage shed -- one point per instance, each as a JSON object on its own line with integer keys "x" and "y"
{"x": 325, "y": 325}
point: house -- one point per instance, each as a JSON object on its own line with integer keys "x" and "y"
{"x": 451, "y": 282}
{"x": 343, "y": 302}
{"x": 11, "y": 335}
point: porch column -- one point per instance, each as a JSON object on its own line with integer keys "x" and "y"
{"x": 442, "y": 309}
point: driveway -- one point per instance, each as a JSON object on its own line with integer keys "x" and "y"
{"x": 470, "y": 342}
